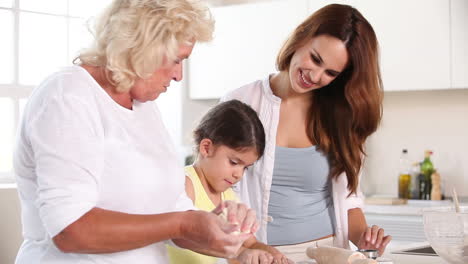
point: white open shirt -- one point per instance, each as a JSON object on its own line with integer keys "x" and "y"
{"x": 254, "y": 188}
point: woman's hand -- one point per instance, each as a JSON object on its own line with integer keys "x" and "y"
{"x": 255, "y": 256}
{"x": 374, "y": 238}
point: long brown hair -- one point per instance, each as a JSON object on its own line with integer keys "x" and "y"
{"x": 349, "y": 109}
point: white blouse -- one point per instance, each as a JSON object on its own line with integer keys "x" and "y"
{"x": 78, "y": 149}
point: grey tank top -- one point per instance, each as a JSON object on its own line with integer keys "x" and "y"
{"x": 301, "y": 205}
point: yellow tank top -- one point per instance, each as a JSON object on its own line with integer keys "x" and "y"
{"x": 202, "y": 202}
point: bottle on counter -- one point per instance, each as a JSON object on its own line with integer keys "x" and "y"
{"x": 414, "y": 189}
{"x": 404, "y": 177}
{"x": 436, "y": 192}
{"x": 427, "y": 169}
{"x": 421, "y": 185}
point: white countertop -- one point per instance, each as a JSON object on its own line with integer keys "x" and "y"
{"x": 413, "y": 207}
{"x": 415, "y": 259}
{"x": 411, "y": 259}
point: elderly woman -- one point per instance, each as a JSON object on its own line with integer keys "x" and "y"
{"x": 97, "y": 176}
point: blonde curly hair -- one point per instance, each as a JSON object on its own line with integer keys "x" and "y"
{"x": 132, "y": 38}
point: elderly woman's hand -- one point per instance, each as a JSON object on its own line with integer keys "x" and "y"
{"x": 210, "y": 234}
{"x": 239, "y": 215}
{"x": 374, "y": 238}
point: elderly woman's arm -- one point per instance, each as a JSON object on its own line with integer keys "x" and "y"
{"x": 104, "y": 231}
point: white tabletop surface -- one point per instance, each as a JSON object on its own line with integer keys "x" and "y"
{"x": 411, "y": 259}
{"x": 413, "y": 207}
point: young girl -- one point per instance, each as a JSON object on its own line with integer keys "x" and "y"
{"x": 229, "y": 139}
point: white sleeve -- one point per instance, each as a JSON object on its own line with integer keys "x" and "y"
{"x": 184, "y": 203}
{"x": 66, "y": 139}
{"x": 229, "y": 96}
{"x": 356, "y": 200}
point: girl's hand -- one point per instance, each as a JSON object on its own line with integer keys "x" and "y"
{"x": 374, "y": 238}
{"x": 279, "y": 258}
{"x": 255, "y": 256}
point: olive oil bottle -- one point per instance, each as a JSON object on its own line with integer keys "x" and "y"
{"x": 404, "y": 177}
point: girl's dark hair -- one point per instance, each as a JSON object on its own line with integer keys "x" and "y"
{"x": 233, "y": 124}
{"x": 349, "y": 109}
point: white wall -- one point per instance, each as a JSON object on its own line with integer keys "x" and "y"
{"x": 10, "y": 225}
{"x": 436, "y": 120}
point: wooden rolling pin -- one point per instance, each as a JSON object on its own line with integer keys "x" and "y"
{"x": 327, "y": 255}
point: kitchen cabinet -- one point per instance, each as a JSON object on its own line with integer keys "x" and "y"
{"x": 423, "y": 43}
{"x": 246, "y": 41}
{"x": 407, "y": 228}
{"x": 414, "y": 39}
{"x": 459, "y": 31}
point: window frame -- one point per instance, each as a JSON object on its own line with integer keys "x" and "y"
{"x": 15, "y": 90}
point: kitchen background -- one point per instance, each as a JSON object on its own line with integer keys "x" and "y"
{"x": 424, "y": 59}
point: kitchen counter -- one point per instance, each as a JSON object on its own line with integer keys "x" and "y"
{"x": 415, "y": 259}
{"x": 413, "y": 207}
{"x": 411, "y": 259}
{"x": 403, "y": 222}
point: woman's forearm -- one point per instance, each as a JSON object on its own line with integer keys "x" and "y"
{"x": 104, "y": 231}
{"x": 356, "y": 224}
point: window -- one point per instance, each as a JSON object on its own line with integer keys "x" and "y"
{"x": 37, "y": 37}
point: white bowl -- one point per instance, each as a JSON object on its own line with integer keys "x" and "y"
{"x": 447, "y": 232}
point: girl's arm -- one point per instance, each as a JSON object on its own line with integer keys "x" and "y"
{"x": 189, "y": 189}
{"x": 252, "y": 243}
{"x": 256, "y": 250}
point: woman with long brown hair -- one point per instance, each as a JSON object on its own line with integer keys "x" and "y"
{"x": 318, "y": 110}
